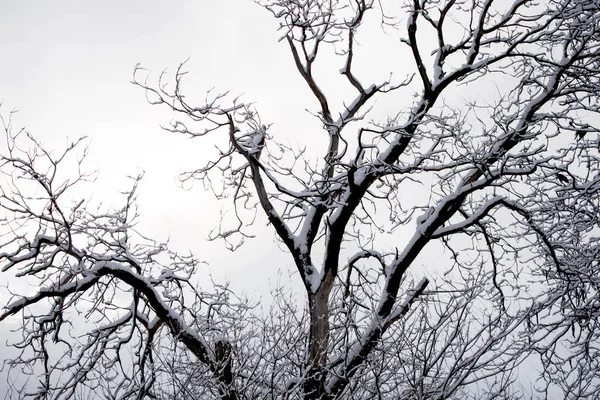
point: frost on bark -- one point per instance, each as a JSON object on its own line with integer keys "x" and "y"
{"x": 512, "y": 187}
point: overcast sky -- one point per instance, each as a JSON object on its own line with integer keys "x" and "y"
{"x": 67, "y": 65}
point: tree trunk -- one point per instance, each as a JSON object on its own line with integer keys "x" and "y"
{"x": 224, "y": 374}
{"x": 314, "y": 386}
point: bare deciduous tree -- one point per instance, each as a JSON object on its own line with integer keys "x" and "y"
{"x": 512, "y": 184}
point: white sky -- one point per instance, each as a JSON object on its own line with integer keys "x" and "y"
{"x": 67, "y": 66}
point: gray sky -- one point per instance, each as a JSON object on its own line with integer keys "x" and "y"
{"x": 67, "y": 65}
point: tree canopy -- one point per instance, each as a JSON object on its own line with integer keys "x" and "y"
{"x": 492, "y": 116}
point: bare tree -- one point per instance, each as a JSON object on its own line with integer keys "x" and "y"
{"x": 512, "y": 183}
